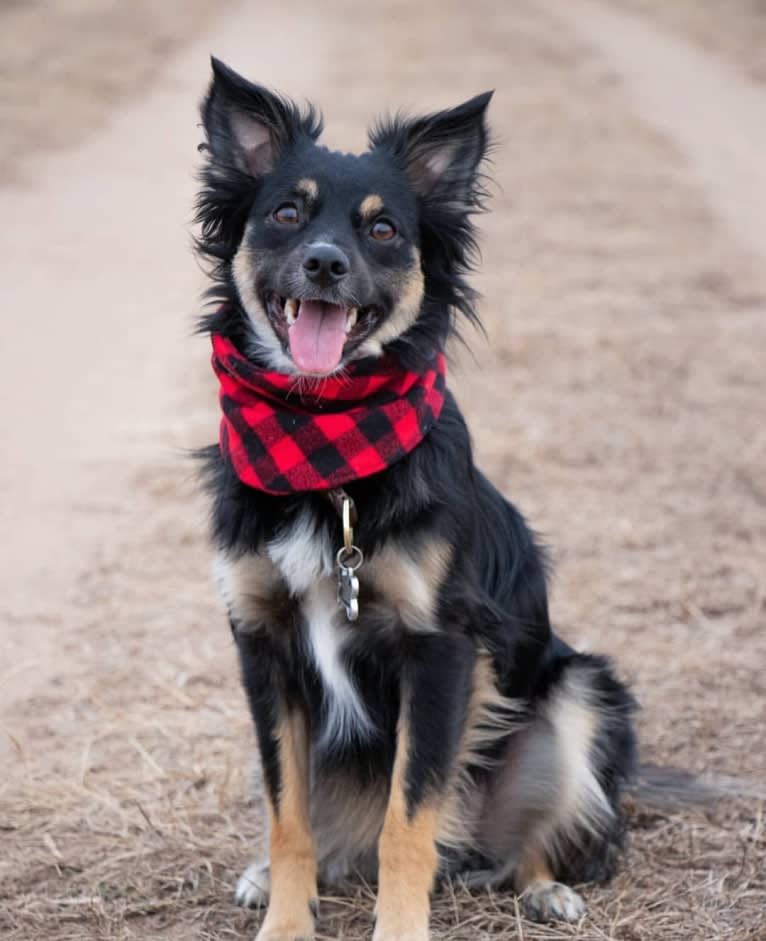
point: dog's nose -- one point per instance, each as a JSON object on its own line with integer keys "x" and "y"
{"x": 325, "y": 264}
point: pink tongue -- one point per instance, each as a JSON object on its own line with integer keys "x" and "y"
{"x": 317, "y": 337}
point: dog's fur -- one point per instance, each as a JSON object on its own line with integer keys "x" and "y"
{"x": 448, "y": 730}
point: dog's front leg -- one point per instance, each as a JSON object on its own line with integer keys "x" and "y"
{"x": 283, "y": 739}
{"x": 435, "y": 690}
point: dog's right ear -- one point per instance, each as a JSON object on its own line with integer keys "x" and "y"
{"x": 441, "y": 153}
{"x": 248, "y": 126}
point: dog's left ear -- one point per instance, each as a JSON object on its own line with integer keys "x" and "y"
{"x": 247, "y": 125}
{"x": 441, "y": 152}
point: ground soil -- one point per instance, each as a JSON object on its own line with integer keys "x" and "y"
{"x": 735, "y": 30}
{"x": 618, "y": 400}
{"x": 67, "y": 65}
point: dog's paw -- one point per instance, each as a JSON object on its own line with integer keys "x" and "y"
{"x": 398, "y": 928}
{"x": 295, "y": 928}
{"x": 403, "y": 934}
{"x": 552, "y": 901}
{"x": 253, "y": 886}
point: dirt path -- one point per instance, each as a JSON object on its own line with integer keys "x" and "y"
{"x": 619, "y": 401}
{"x": 715, "y": 115}
{"x": 94, "y": 361}
{"x": 734, "y": 30}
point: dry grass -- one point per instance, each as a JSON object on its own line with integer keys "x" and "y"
{"x": 153, "y": 852}
{"x": 124, "y": 811}
{"x": 158, "y": 862}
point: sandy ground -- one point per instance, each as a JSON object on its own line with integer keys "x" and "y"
{"x": 619, "y": 401}
{"x": 690, "y": 96}
{"x": 66, "y": 65}
{"x": 734, "y": 30}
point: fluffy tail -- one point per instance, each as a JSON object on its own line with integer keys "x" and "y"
{"x": 674, "y": 787}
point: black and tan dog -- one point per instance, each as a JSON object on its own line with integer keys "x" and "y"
{"x": 446, "y": 730}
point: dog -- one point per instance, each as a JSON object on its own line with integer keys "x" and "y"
{"x": 417, "y": 717}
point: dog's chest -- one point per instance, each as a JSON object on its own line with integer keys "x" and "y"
{"x": 299, "y": 565}
{"x": 301, "y": 555}
{"x": 400, "y": 586}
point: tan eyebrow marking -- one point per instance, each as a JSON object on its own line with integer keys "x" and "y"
{"x": 308, "y": 188}
{"x": 370, "y": 205}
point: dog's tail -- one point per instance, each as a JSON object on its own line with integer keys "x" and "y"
{"x": 674, "y": 787}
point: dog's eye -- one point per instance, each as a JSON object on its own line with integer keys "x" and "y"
{"x": 287, "y": 214}
{"x": 383, "y": 230}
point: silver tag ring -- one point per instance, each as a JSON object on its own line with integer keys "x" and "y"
{"x": 344, "y": 556}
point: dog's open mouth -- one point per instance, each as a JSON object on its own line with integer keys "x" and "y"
{"x": 317, "y": 331}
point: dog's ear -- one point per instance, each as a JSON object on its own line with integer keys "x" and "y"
{"x": 441, "y": 152}
{"x": 248, "y": 126}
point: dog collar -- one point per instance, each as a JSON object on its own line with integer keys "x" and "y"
{"x": 286, "y": 434}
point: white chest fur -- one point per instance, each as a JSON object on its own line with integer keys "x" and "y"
{"x": 302, "y": 554}
{"x": 328, "y": 632}
{"x": 302, "y": 557}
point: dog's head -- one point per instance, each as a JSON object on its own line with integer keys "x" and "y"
{"x": 334, "y": 257}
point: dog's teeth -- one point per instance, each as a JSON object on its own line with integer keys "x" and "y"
{"x": 351, "y": 317}
{"x": 291, "y": 311}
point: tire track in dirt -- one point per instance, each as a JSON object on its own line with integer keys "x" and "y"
{"x": 716, "y": 115}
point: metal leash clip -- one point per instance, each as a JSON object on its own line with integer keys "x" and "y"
{"x": 347, "y": 561}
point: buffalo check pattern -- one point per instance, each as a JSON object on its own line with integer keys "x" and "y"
{"x": 286, "y": 434}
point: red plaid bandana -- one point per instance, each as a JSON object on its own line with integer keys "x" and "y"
{"x": 284, "y": 440}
